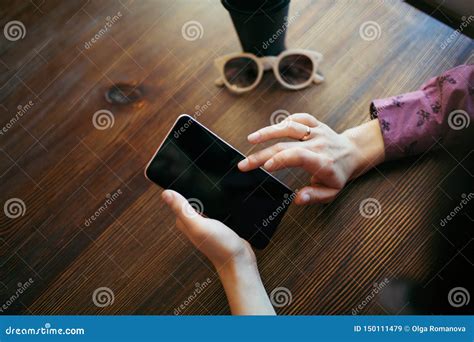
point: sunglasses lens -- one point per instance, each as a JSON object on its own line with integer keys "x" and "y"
{"x": 241, "y": 72}
{"x": 296, "y": 69}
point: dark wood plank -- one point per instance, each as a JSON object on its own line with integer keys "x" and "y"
{"x": 63, "y": 168}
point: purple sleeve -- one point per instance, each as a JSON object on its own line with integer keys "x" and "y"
{"x": 441, "y": 110}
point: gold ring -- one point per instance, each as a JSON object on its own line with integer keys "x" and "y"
{"x": 307, "y": 134}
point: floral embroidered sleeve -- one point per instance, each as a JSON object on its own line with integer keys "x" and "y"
{"x": 440, "y": 111}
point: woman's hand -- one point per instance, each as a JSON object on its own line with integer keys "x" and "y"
{"x": 231, "y": 255}
{"x": 220, "y": 244}
{"x": 329, "y": 157}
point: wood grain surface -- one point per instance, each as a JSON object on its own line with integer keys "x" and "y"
{"x": 64, "y": 169}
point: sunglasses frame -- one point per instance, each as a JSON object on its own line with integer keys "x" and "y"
{"x": 266, "y": 63}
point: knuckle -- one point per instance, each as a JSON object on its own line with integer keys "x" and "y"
{"x": 318, "y": 144}
{"x": 329, "y": 166}
{"x": 303, "y": 155}
{"x": 319, "y": 131}
{"x": 278, "y": 147}
{"x": 253, "y": 159}
{"x": 299, "y": 151}
{"x": 330, "y": 163}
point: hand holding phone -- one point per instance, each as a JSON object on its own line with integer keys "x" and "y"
{"x": 196, "y": 163}
{"x": 231, "y": 255}
{"x": 219, "y": 243}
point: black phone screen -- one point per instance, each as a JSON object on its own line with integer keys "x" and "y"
{"x": 203, "y": 168}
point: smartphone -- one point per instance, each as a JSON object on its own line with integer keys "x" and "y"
{"x": 202, "y": 167}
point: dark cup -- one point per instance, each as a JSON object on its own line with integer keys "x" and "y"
{"x": 260, "y": 24}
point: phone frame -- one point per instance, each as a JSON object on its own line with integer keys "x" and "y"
{"x": 215, "y": 135}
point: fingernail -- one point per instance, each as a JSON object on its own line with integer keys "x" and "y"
{"x": 167, "y": 196}
{"x": 253, "y": 137}
{"x": 268, "y": 164}
{"x": 243, "y": 163}
{"x": 305, "y": 198}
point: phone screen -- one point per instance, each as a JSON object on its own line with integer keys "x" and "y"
{"x": 198, "y": 164}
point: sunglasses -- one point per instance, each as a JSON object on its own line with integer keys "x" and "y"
{"x": 294, "y": 69}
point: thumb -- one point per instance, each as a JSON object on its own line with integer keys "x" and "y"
{"x": 185, "y": 212}
{"x": 316, "y": 194}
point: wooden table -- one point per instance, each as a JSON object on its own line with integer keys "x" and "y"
{"x": 64, "y": 169}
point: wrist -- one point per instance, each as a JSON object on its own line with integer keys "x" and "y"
{"x": 240, "y": 263}
{"x": 244, "y": 288}
{"x": 369, "y": 149}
